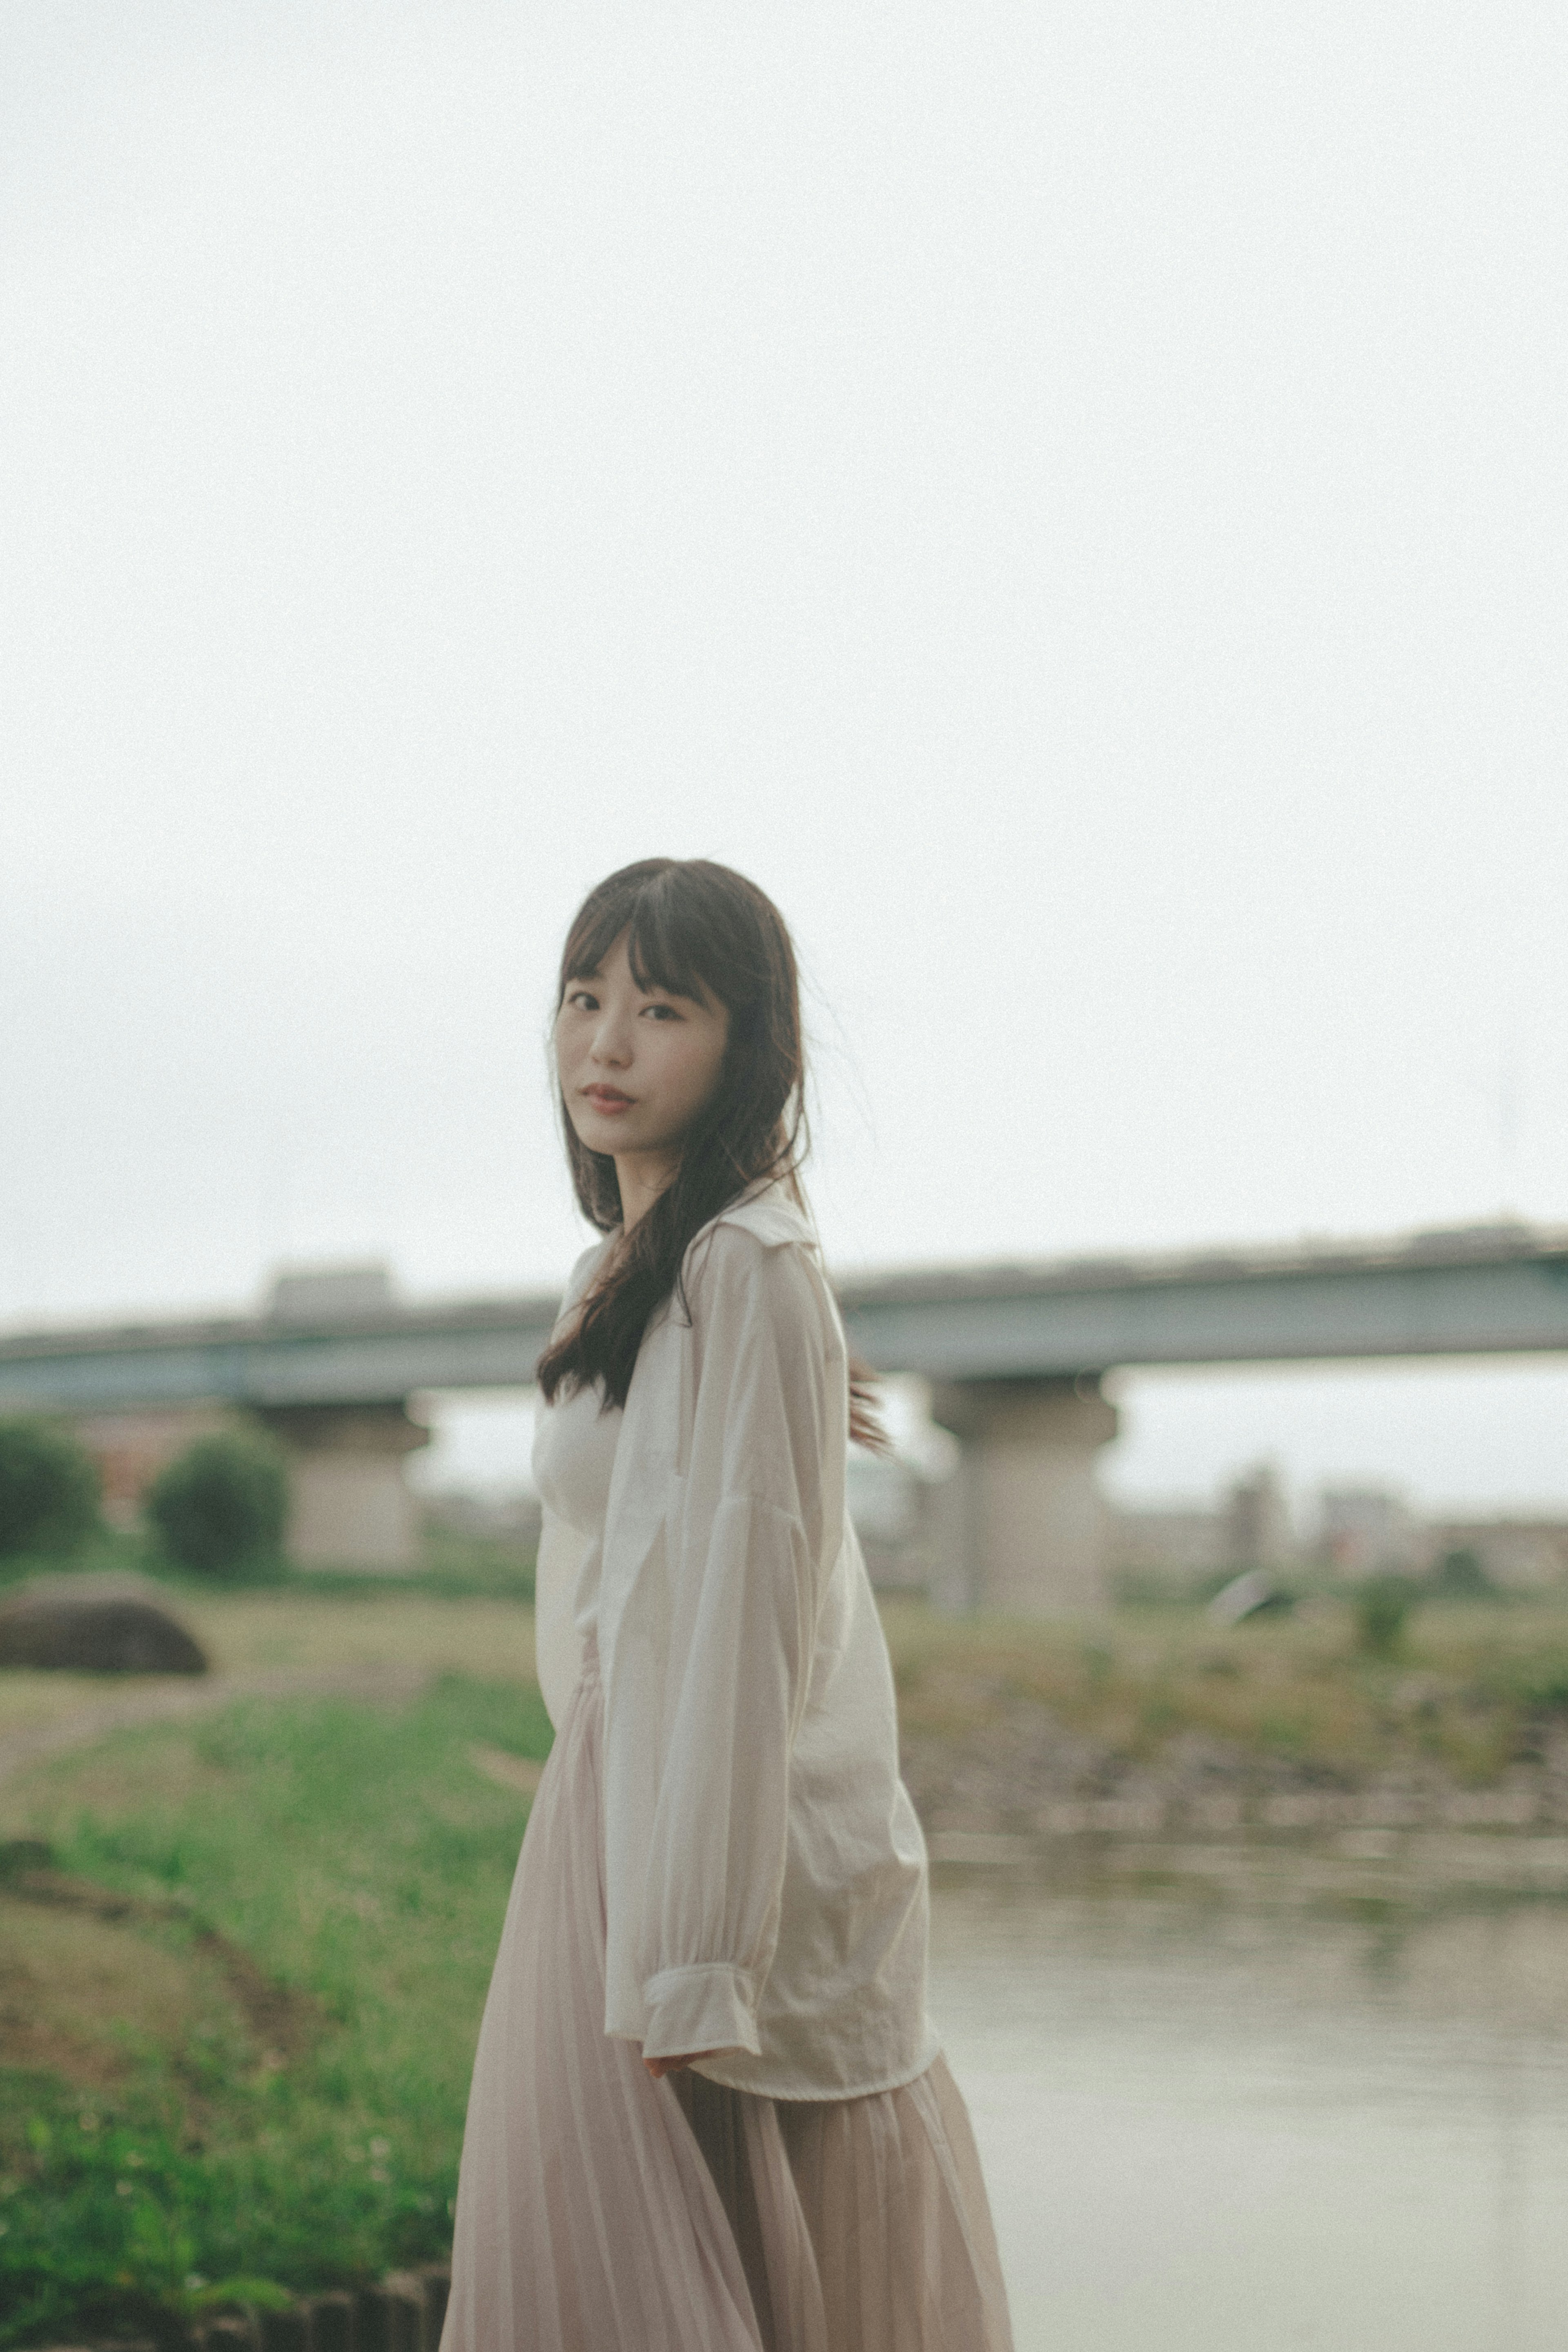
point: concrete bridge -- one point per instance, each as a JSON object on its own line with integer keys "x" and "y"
{"x": 1015, "y": 1355}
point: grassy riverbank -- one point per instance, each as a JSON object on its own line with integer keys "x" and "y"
{"x": 241, "y": 1968}
{"x": 1159, "y": 1708}
{"x": 243, "y": 1954}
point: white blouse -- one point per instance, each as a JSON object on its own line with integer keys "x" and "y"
{"x": 766, "y": 1886}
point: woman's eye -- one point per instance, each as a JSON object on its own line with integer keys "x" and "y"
{"x": 662, "y": 1011}
{"x": 580, "y": 1002}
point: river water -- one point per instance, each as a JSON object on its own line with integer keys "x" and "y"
{"x": 1254, "y": 2099}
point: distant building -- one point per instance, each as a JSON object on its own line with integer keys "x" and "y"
{"x": 1526, "y": 1555}
{"x": 1257, "y": 1531}
{"x": 1249, "y": 1527}
{"x": 129, "y": 1449}
{"x": 897, "y": 1514}
{"x": 513, "y": 1516}
{"x": 1176, "y": 1541}
{"x": 1369, "y": 1531}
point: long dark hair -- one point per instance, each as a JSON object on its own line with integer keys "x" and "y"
{"x": 695, "y": 929}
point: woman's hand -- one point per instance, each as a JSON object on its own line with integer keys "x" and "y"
{"x": 658, "y": 2067}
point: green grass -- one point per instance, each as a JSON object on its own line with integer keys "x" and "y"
{"x": 450, "y": 1567}
{"x": 106, "y": 1549}
{"x": 335, "y": 1876}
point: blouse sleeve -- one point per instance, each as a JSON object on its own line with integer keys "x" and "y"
{"x": 753, "y": 1537}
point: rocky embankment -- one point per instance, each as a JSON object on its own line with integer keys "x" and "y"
{"x": 1024, "y": 1772}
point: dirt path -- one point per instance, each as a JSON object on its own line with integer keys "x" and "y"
{"x": 173, "y": 1701}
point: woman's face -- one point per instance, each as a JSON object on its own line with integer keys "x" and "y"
{"x": 637, "y": 1066}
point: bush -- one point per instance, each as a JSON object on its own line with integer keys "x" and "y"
{"x": 1381, "y": 1607}
{"x": 48, "y": 1488}
{"x": 1461, "y": 1576}
{"x": 219, "y": 1508}
{"x": 1545, "y": 1688}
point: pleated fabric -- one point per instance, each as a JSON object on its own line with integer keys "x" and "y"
{"x": 601, "y": 2211}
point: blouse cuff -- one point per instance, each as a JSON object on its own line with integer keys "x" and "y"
{"x": 709, "y": 2007}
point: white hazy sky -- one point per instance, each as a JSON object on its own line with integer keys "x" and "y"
{"x": 1071, "y": 499}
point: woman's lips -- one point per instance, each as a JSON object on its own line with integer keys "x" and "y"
{"x": 606, "y": 1098}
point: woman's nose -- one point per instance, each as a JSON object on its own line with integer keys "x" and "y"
{"x": 612, "y": 1042}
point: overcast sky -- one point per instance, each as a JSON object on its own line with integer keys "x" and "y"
{"x": 1071, "y": 498}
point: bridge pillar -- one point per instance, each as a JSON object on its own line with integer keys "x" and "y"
{"x": 1027, "y": 1538}
{"x": 350, "y": 1503}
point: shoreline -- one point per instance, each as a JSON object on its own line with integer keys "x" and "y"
{"x": 966, "y": 1788}
{"x": 1380, "y": 1873}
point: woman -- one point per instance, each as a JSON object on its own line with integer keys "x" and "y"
{"x": 708, "y": 2112}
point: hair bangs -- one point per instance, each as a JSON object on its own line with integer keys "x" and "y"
{"x": 666, "y": 952}
{"x": 594, "y": 935}
{"x": 668, "y": 946}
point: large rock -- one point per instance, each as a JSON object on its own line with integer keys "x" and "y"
{"x": 96, "y": 1625}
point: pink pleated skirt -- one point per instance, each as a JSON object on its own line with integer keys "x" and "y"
{"x": 601, "y": 2211}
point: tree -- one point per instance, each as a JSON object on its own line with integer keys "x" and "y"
{"x": 48, "y": 1488}
{"x": 219, "y": 1508}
